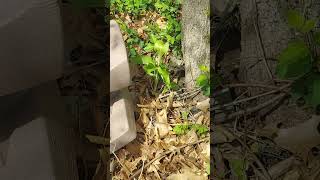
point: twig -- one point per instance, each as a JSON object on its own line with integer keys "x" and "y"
{"x": 256, "y": 27}
{"x": 125, "y": 167}
{"x": 141, "y": 170}
{"x": 265, "y": 172}
{"x": 250, "y": 98}
{"x": 249, "y": 110}
{"x": 163, "y": 105}
{"x": 165, "y": 154}
{"x": 250, "y": 85}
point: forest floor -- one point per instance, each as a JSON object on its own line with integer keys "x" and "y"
{"x": 172, "y": 129}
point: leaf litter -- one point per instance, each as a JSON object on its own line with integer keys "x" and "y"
{"x": 160, "y": 150}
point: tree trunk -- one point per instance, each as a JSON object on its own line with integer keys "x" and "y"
{"x": 196, "y": 38}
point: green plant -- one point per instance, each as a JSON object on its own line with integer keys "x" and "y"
{"x": 297, "y": 62}
{"x": 160, "y": 41}
{"x": 154, "y": 66}
{"x": 203, "y": 81}
{"x": 184, "y": 128}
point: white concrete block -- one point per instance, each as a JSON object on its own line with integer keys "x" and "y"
{"x": 119, "y": 65}
{"x": 41, "y": 147}
{"x": 38, "y": 151}
{"x": 31, "y": 44}
{"x": 122, "y": 121}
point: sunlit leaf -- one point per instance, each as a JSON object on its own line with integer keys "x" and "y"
{"x": 165, "y": 76}
{"x": 161, "y": 48}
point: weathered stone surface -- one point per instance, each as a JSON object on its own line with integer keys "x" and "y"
{"x": 119, "y": 65}
{"x": 122, "y": 120}
{"x": 196, "y": 38}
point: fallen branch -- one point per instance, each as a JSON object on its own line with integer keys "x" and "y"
{"x": 250, "y": 85}
{"x": 250, "y": 98}
{"x": 249, "y": 110}
{"x": 164, "y": 105}
{"x": 162, "y": 155}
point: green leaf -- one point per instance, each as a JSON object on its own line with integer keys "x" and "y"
{"x": 238, "y": 167}
{"x": 200, "y": 129}
{"x": 202, "y": 80}
{"x": 149, "y": 47}
{"x": 161, "y": 48}
{"x": 184, "y": 115}
{"x": 180, "y": 129}
{"x": 165, "y": 76}
{"x": 317, "y": 38}
{"x": 203, "y": 68}
{"x": 295, "y": 19}
{"x": 143, "y": 60}
{"x": 314, "y": 97}
{"x": 206, "y": 91}
{"x": 133, "y": 52}
{"x": 150, "y": 69}
{"x": 174, "y": 86}
{"x": 294, "y": 61}
{"x": 170, "y": 39}
{"x": 308, "y": 26}
{"x": 208, "y": 168}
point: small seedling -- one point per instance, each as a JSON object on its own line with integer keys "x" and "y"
{"x": 203, "y": 81}
{"x": 298, "y": 63}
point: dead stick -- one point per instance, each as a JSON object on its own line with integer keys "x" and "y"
{"x": 135, "y": 174}
{"x": 249, "y": 110}
{"x": 250, "y": 85}
{"x": 250, "y": 98}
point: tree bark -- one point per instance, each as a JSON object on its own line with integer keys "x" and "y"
{"x": 196, "y": 38}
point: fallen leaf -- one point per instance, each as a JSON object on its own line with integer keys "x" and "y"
{"x": 162, "y": 116}
{"x": 163, "y": 129}
{"x": 190, "y": 137}
{"x": 203, "y": 105}
{"x": 186, "y": 176}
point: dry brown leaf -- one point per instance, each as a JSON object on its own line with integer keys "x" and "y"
{"x": 163, "y": 129}
{"x": 203, "y": 105}
{"x": 132, "y": 165}
{"x": 186, "y": 176}
{"x": 161, "y": 23}
{"x": 188, "y": 138}
{"x": 162, "y": 116}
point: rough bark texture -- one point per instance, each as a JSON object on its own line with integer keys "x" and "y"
{"x": 196, "y": 38}
{"x": 275, "y": 35}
